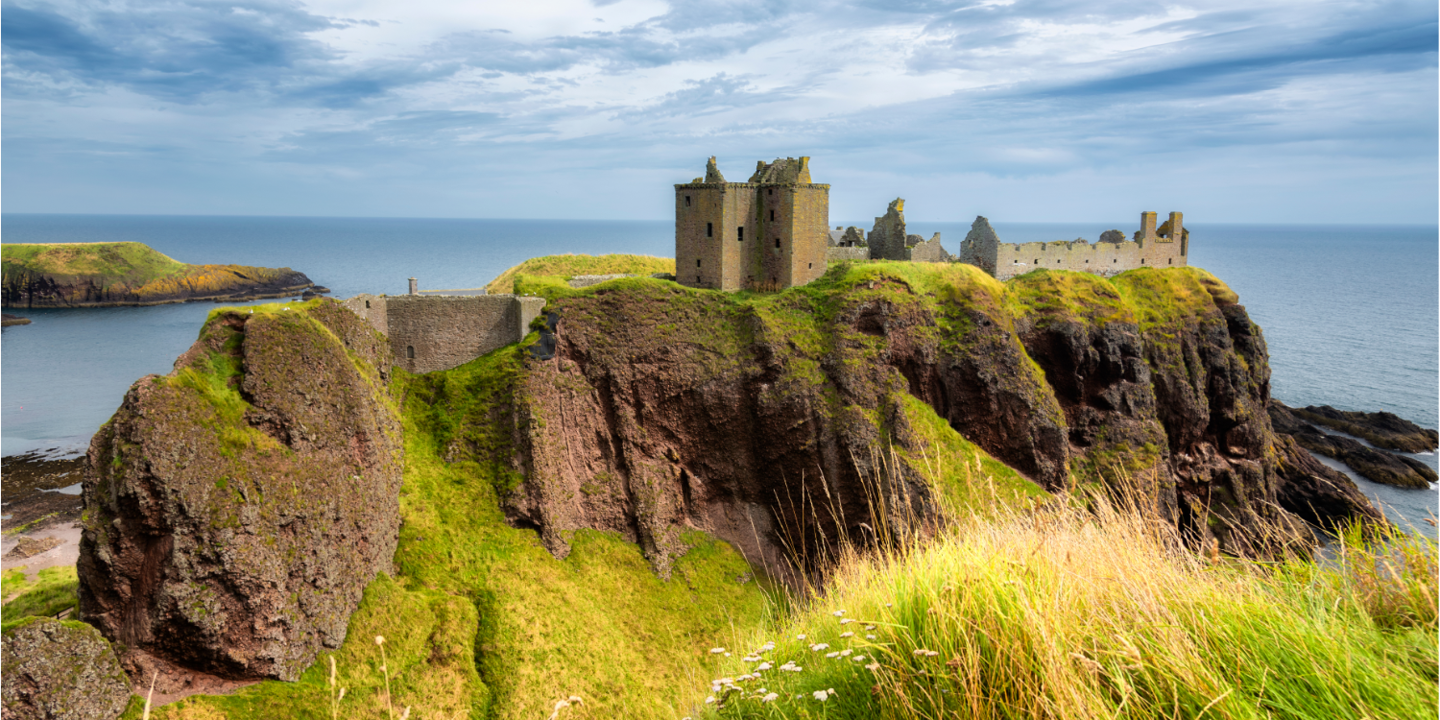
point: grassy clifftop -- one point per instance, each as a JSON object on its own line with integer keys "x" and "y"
{"x": 126, "y": 273}
{"x": 564, "y": 267}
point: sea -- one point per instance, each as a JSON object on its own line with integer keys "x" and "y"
{"x": 1350, "y": 313}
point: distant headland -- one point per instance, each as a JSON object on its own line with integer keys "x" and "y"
{"x": 72, "y": 275}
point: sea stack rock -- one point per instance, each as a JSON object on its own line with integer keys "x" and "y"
{"x": 236, "y": 508}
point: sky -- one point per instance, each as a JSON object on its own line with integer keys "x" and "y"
{"x": 1255, "y": 111}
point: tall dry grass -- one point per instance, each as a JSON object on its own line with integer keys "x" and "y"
{"x": 1097, "y": 609}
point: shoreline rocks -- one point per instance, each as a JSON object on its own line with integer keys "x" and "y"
{"x": 1381, "y": 466}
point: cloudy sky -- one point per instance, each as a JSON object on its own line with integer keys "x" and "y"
{"x": 1026, "y": 110}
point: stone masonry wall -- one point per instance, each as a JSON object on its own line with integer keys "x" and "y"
{"x": 1006, "y": 260}
{"x": 438, "y": 333}
{"x": 810, "y": 236}
{"x": 726, "y": 234}
{"x": 837, "y": 254}
{"x": 371, "y": 309}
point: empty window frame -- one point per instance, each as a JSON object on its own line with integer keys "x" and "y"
{"x": 709, "y": 229}
{"x": 697, "y": 262}
{"x": 772, "y": 214}
{"x": 687, "y": 201}
{"x": 410, "y": 351}
{"x": 740, "y": 234}
{"x": 777, "y": 243}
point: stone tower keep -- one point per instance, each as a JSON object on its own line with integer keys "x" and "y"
{"x": 769, "y": 232}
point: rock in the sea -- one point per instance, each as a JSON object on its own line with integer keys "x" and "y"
{"x": 61, "y": 670}
{"x": 1382, "y": 429}
{"x": 236, "y": 509}
{"x": 1381, "y": 466}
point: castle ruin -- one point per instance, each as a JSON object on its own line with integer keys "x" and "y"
{"x": 769, "y": 232}
{"x": 1165, "y": 246}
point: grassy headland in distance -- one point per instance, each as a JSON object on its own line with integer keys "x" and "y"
{"x": 111, "y": 274}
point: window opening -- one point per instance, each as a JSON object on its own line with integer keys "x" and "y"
{"x": 709, "y": 230}
{"x": 1172, "y": 262}
{"x": 810, "y": 266}
{"x": 769, "y": 191}
{"x": 772, "y": 214}
{"x": 697, "y": 262}
{"x": 740, "y": 234}
{"x": 777, "y": 243}
{"x": 687, "y": 201}
{"x": 410, "y": 351}
{"x": 1142, "y": 261}
{"x": 367, "y": 304}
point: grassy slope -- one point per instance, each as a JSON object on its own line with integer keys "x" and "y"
{"x": 564, "y": 267}
{"x": 1077, "y": 614}
{"x": 131, "y": 260}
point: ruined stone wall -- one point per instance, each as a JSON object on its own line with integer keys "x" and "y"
{"x": 929, "y": 251}
{"x": 1151, "y": 247}
{"x": 887, "y": 237}
{"x": 371, "y": 309}
{"x": 438, "y": 333}
{"x": 838, "y": 254}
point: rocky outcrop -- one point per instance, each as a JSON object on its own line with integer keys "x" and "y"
{"x": 61, "y": 670}
{"x": 1383, "y": 467}
{"x": 1382, "y": 429}
{"x": 726, "y": 415}
{"x": 236, "y": 508}
{"x": 1113, "y": 236}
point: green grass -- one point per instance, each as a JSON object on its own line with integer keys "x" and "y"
{"x": 968, "y": 480}
{"x": 564, "y": 267}
{"x": 49, "y": 594}
{"x": 1097, "y": 613}
{"x": 131, "y": 260}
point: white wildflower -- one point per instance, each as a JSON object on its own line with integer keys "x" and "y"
{"x": 838, "y": 613}
{"x": 716, "y": 651}
{"x": 858, "y": 658}
{"x": 847, "y": 634}
{"x": 710, "y": 700}
{"x": 770, "y": 698}
{"x": 750, "y": 658}
{"x": 847, "y": 621}
{"x": 931, "y": 653}
{"x": 817, "y": 647}
{"x": 800, "y": 637}
{"x": 919, "y": 652}
{"x": 832, "y": 655}
{"x": 763, "y": 666}
{"x": 872, "y": 667}
{"x": 846, "y": 652}
{"x": 869, "y": 637}
{"x": 869, "y": 627}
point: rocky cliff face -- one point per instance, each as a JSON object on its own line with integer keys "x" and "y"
{"x": 665, "y": 408}
{"x": 236, "y": 508}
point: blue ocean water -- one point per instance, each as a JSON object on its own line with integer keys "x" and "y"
{"x": 1350, "y": 313}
